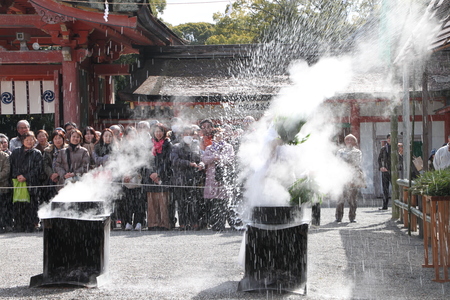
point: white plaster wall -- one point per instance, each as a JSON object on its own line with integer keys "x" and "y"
{"x": 438, "y": 137}
{"x": 366, "y": 147}
{"x": 375, "y": 109}
{"x": 382, "y": 128}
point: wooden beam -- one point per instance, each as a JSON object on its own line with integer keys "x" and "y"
{"x": 84, "y": 14}
{"x": 376, "y": 119}
{"x": 200, "y": 51}
{"x": 111, "y": 70}
{"x": 30, "y": 57}
{"x": 105, "y": 33}
{"x": 168, "y": 104}
{"x": 28, "y": 72}
{"x": 20, "y": 21}
{"x": 139, "y": 37}
{"x": 122, "y": 37}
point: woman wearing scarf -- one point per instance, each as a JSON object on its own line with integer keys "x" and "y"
{"x": 73, "y": 161}
{"x": 218, "y": 159}
{"x": 158, "y": 174}
{"x": 50, "y": 154}
{"x": 26, "y": 165}
{"x": 104, "y": 148}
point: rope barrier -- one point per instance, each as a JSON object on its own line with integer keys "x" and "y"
{"x": 121, "y": 183}
{"x": 31, "y": 187}
{"x": 163, "y": 185}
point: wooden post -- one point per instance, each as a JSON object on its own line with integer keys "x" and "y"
{"x": 71, "y": 99}
{"x": 57, "y": 83}
{"x": 394, "y": 162}
{"x": 425, "y": 121}
{"x": 440, "y": 234}
{"x": 355, "y": 123}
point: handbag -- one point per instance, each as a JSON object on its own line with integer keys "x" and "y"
{"x": 21, "y": 193}
{"x": 418, "y": 163}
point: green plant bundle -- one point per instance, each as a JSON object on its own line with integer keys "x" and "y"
{"x": 288, "y": 129}
{"x": 433, "y": 183}
{"x": 304, "y": 190}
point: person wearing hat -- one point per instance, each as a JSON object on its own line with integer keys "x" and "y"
{"x": 352, "y": 156}
{"x": 60, "y": 129}
{"x": 384, "y": 164}
{"x": 431, "y": 159}
{"x": 117, "y": 130}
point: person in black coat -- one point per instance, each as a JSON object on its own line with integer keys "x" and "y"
{"x": 26, "y": 166}
{"x": 384, "y": 164}
{"x": 186, "y": 164}
{"x": 134, "y": 196}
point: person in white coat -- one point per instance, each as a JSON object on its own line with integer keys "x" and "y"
{"x": 352, "y": 156}
{"x": 442, "y": 157}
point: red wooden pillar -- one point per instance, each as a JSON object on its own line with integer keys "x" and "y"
{"x": 71, "y": 98}
{"x": 355, "y": 120}
{"x": 446, "y": 125}
{"x": 57, "y": 103}
{"x": 92, "y": 100}
{"x": 109, "y": 90}
{"x": 95, "y": 101}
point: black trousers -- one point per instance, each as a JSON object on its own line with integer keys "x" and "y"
{"x": 25, "y": 215}
{"x": 132, "y": 202}
{"x": 188, "y": 205}
{"x": 385, "y": 182}
{"x": 217, "y": 213}
{"x": 6, "y": 210}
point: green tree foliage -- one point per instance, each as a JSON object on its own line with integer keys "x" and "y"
{"x": 237, "y": 25}
{"x": 157, "y": 6}
{"x": 315, "y": 24}
{"x": 194, "y": 33}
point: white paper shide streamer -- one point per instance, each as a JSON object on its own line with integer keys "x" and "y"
{"x": 105, "y": 16}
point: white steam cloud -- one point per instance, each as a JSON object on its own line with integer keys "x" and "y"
{"x": 103, "y": 183}
{"x": 270, "y": 168}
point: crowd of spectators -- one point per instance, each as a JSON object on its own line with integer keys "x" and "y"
{"x": 186, "y": 181}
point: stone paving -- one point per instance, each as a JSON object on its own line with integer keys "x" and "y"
{"x": 371, "y": 259}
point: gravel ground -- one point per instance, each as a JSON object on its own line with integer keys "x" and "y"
{"x": 371, "y": 259}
